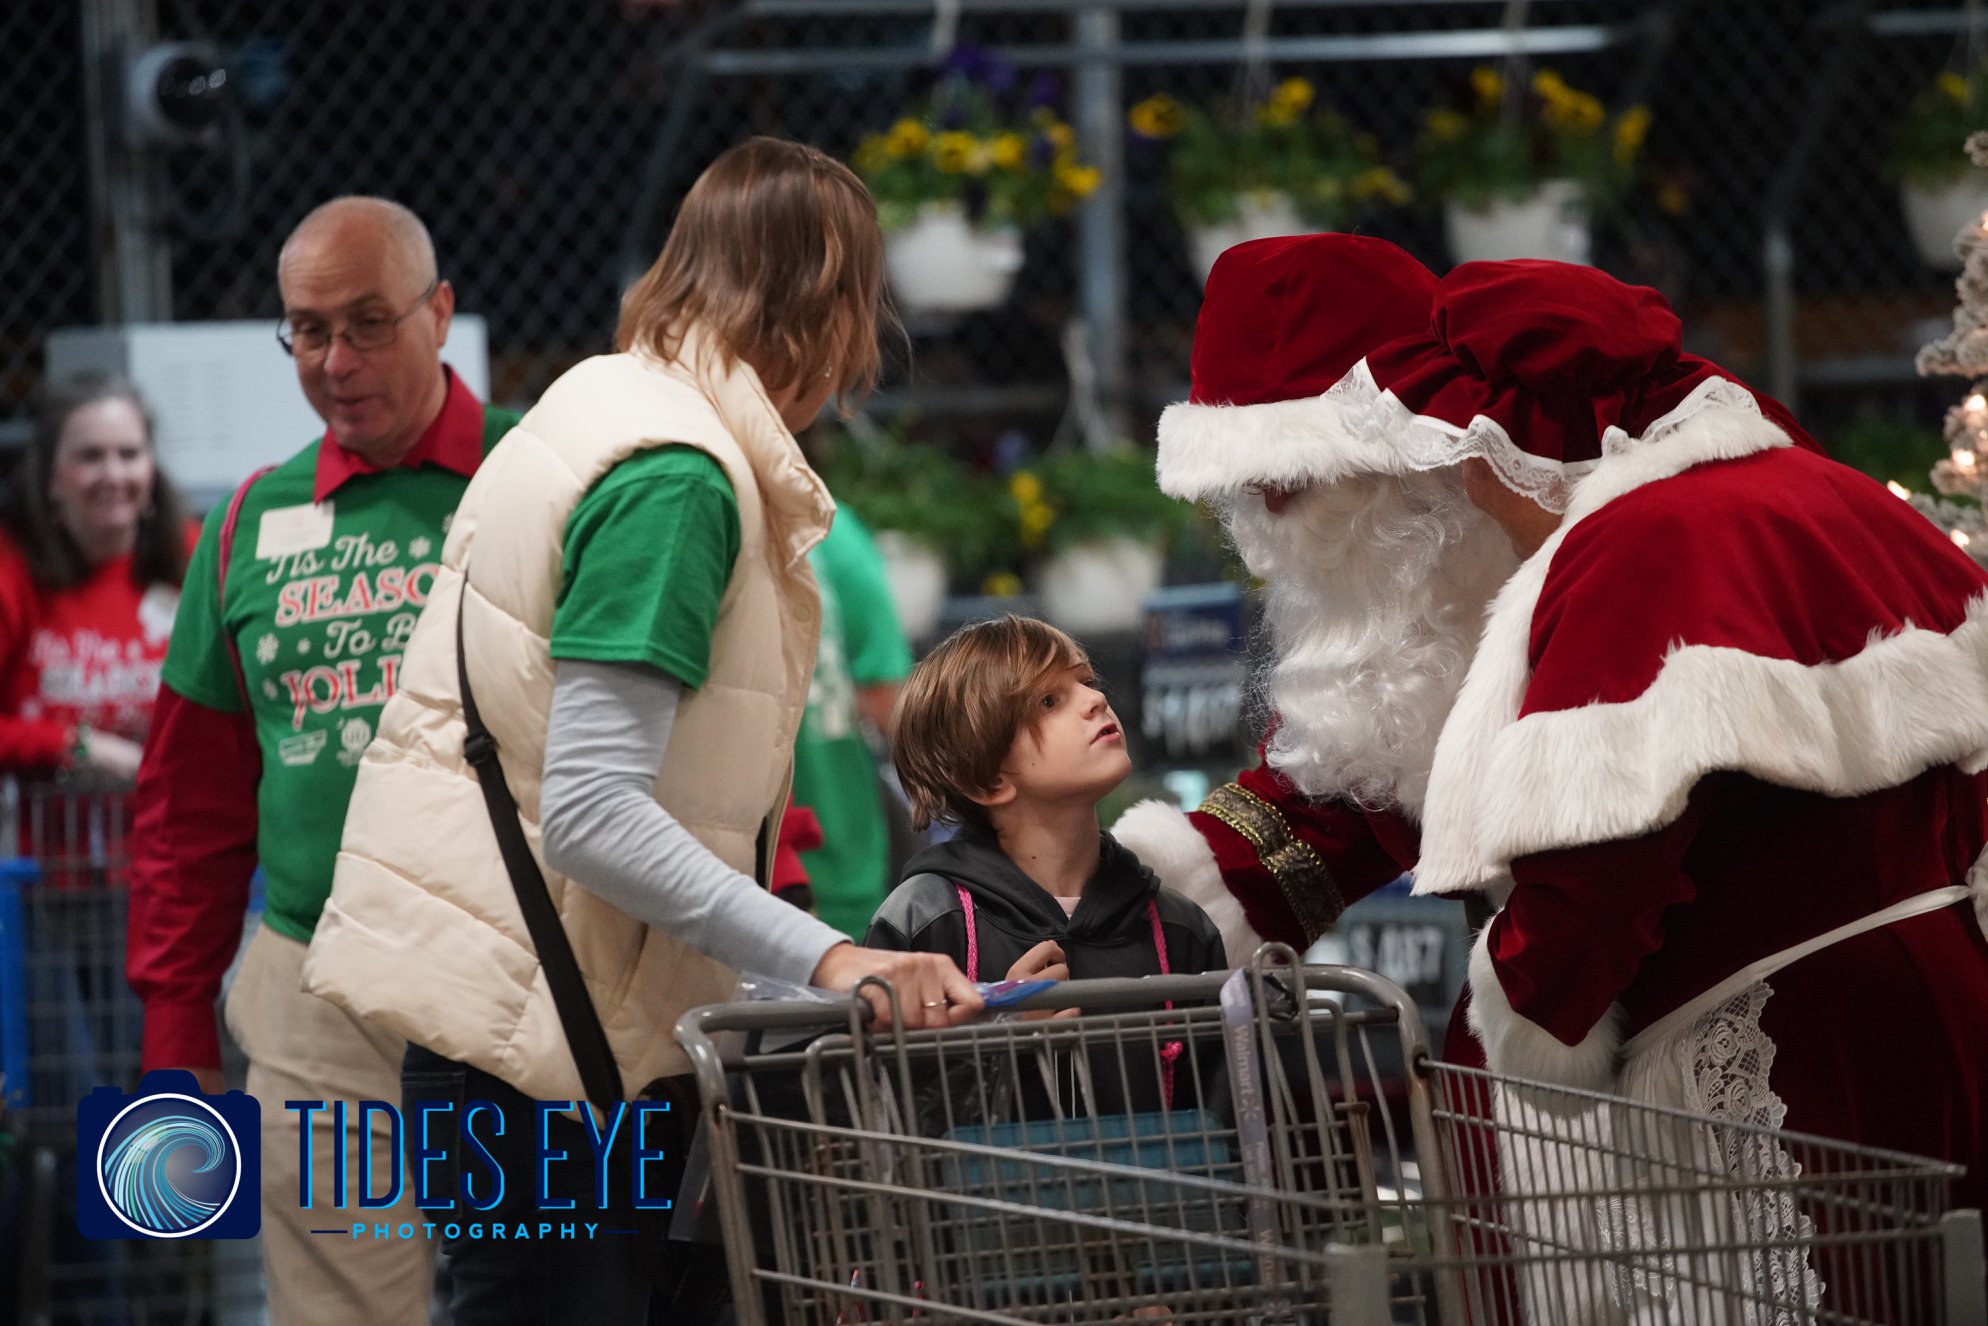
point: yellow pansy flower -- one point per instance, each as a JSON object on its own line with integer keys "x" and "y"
{"x": 1158, "y": 116}
{"x": 1002, "y": 585}
{"x": 1007, "y": 151}
{"x": 958, "y": 153}
{"x": 1953, "y": 86}
{"x": 1077, "y": 181}
{"x": 907, "y": 138}
{"x": 1550, "y": 85}
{"x": 1382, "y": 183}
{"x": 1294, "y": 93}
{"x": 1036, "y": 519}
{"x": 1630, "y": 132}
{"x": 1277, "y": 114}
{"x": 1445, "y": 125}
{"x": 1062, "y": 135}
{"x": 1488, "y": 84}
{"x": 1025, "y": 487}
{"x": 871, "y": 155}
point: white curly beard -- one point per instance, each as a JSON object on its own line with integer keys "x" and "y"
{"x": 1377, "y": 588}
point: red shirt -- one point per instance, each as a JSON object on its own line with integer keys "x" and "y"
{"x": 89, "y": 654}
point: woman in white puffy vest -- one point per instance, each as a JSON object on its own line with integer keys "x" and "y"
{"x": 627, "y": 580}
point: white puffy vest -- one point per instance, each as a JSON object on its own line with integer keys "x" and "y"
{"x": 422, "y": 933}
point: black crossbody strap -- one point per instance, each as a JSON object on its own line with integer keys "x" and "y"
{"x": 585, "y": 1036}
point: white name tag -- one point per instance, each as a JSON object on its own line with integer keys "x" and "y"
{"x": 293, "y": 529}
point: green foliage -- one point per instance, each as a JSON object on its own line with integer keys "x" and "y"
{"x": 1221, "y": 154}
{"x": 1511, "y": 139}
{"x": 1927, "y": 146}
{"x": 918, "y": 489}
{"x": 1889, "y": 450}
{"x": 1080, "y": 496}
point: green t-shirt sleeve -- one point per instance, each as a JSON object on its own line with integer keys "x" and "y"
{"x": 648, "y": 552}
{"x": 198, "y": 664}
{"x": 874, "y": 644}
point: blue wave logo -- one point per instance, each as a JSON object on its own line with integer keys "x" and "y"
{"x": 169, "y": 1165}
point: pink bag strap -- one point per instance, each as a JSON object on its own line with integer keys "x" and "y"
{"x": 972, "y": 938}
{"x": 1159, "y": 937}
{"x": 1171, "y": 1050}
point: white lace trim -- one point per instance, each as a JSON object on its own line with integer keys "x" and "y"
{"x": 1727, "y": 1061}
{"x": 1425, "y": 442}
{"x": 1713, "y": 393}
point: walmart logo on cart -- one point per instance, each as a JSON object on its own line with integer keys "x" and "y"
{"x": 169, "y": 1162}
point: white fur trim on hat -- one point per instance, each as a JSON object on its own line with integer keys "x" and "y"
{"x": 1208, "y": 450}
{"x": 1167, "y": 843}
{"x": 1519, "y": 1047}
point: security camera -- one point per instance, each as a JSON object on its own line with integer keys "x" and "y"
{"x": 175, "y": 95}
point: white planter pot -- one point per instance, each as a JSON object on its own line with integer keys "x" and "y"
{"x": 1553, "y": 223}
{"x": 1099, "y": 586}
{"x": 942, "y": 263}
{"x": 1259, "y": 216}
{"x": 1936, "y": 215}
{"x": 916, "y": 575}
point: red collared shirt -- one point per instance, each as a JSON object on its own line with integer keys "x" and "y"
{"x": 453, "y": 441}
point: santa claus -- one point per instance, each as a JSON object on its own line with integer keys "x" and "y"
{"x": 1573, "y": 621}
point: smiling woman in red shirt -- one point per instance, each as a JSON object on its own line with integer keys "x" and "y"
{"x": 93, "y": 546}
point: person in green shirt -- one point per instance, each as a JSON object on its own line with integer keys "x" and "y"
{"x": 861, "y": 664}
{"x": 300, "y": 597}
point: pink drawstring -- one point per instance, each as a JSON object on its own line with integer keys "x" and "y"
{"x": 972, "y": 940}
{"x": 1168, "y": 1052}
{"x": 1171, "y": 1050}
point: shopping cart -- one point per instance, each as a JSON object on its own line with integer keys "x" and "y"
{"x": 1079, "y": 1170}
{"x": 69, "y": 1023}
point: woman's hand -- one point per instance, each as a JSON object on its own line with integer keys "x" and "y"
{"x": 931, "y": 991}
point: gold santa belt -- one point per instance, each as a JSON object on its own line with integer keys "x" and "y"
{"x": 1306, "y": 884}
{"x": 1693, "y": 1009}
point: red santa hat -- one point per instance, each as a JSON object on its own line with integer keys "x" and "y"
{"x": 1544, "y": 368}
{"x": 1280, "y": 396}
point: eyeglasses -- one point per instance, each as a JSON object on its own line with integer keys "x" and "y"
{"x": 374, "y": 331}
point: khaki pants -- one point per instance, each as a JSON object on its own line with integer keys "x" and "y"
{"x": 301, "y": 1048}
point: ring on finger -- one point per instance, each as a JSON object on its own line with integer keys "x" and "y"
{"x": 934, "y": 1003}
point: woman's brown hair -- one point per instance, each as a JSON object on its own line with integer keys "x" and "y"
{"x": 963, "y": 706}
{"x": 159, "y": 555}
{"x": 777, "y": 252}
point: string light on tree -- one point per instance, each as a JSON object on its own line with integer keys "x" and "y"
{"x": 1963, "y": 352}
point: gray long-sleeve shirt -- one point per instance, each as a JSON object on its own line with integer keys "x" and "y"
{"x": 602, "y": 828}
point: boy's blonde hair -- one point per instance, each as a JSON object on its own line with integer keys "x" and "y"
{"x": 776, "y": 251}
{"x": 964, "y": 705}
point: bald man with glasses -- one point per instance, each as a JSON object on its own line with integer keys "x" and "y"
{"x": 298, "y": 602}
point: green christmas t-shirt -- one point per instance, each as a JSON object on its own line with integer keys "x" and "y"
{"x": 834, "y": 772}
{"x": 320, "y": 600}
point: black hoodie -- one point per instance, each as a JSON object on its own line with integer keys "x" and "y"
{"x": 1111, "y": 933}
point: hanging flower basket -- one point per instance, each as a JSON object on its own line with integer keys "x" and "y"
{"x": 1259, "y": 216}
{"x": 943, "y": 263}
{"x": 1100, "y": 585}
{"x": 1552, "y": 223}
{"x": 1936, "y": 213}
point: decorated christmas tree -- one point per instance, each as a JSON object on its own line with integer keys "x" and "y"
{"x": 1960, "y": 482}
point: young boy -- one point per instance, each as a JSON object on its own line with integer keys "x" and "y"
{"x": 1002, "y": 730}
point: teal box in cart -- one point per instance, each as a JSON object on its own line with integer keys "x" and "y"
{"x": 168, "y": 1162}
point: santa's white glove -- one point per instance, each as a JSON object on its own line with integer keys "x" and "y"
{"x": 1168, "y": 844}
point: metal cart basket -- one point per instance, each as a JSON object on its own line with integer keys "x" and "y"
{"x": 1222, "y": 1148}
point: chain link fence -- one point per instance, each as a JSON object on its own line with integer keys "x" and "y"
{"x": 547, "y": 143}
